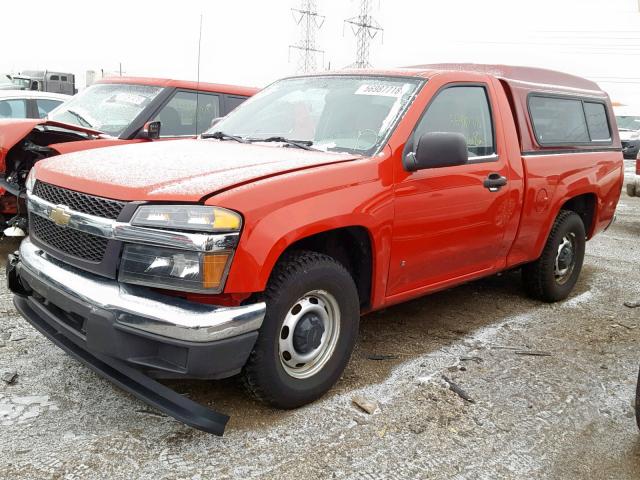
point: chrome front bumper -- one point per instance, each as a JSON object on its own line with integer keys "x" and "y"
{"x": 141, "y": 308}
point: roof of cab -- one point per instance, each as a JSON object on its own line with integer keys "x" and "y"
{"x": 528, "y": 77}
{"x": 533, "y": 76}
{"x": 189, "y": 85}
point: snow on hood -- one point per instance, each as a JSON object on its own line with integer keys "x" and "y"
{"x": 629, "y": 134}
{"x": 184, "y": 170}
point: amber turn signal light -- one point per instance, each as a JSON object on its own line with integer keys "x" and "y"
{"x": 213, "y": 266}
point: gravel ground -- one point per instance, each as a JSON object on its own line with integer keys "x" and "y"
{"x": 564, "y": 413}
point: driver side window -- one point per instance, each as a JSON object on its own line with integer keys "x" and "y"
{"x": 465, "y": 110}
{"x": 188, "y": 114}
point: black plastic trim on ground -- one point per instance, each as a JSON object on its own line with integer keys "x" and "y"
{"x": 129, "y": 379}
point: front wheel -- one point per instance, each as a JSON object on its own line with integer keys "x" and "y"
{"x": 308, "y": 333}
{"x": 555, "y": 273}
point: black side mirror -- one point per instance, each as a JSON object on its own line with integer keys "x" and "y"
{"x": 151, "y": 130}
{"x": 437, "y": 149}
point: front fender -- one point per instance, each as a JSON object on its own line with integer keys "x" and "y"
{"x": 285, "y": 210}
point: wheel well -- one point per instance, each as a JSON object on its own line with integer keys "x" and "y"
{"x": 351, "y": 246}
{"x": 585, "y": 206}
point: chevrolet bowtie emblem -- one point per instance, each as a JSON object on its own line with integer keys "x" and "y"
{"x": 60, "y": 215}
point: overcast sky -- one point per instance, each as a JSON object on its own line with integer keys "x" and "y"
{"x": 246, "y": 42}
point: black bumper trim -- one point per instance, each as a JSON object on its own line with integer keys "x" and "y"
{"x": 127, "y": 378}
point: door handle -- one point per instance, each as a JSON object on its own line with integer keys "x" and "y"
{"x": 494, "y": 182}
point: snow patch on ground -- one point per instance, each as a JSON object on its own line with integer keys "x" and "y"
{"x": 578, "y": 299}
{"x": 19, "y": 409}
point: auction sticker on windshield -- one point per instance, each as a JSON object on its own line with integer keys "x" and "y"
{"x": 380, "y": 90}
{"x": 130, "y": 98}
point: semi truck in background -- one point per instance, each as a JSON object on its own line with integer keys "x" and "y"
{"x": 46, "y": 81}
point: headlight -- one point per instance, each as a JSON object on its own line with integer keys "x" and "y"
{"x": 174, "y": 269}
{"x": 31, "y": 180}
{"x": 188, "y": 217}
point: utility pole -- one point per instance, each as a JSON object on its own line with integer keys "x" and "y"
{"x": 310, "y": 22}
{"x": 365, "y": 28}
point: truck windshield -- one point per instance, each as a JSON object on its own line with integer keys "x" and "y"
{"x": 628, "y": 122}
{"x": 333, "y": 113}
{"x": 107, "y": 107}
{"x": 22, "y": 83}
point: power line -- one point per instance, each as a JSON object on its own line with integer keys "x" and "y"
{"x": 365, "y": 28}
{"x": 310, "y": 22}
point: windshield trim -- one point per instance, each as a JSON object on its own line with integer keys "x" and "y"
{"x": 420, "y": 82}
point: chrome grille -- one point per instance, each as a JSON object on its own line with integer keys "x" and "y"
{"x": 80, "y": 202}
{"x": 67, "y": 240}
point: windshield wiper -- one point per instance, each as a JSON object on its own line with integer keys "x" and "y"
{"x": 80, "y": 117}
{"x": 223, "y": 136}
{"x": 303, "y": 144}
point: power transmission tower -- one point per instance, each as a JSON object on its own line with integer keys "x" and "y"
{"x": 310, "y": 22}
{"x": 365, "y": 28}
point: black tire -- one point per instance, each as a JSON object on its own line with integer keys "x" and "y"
{"x": 539, "y": 277}
{"x": 631, "y": 189}
{"x": 295, "y": 275}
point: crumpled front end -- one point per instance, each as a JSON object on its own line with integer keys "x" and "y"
{"x": 65, "y": 284}
{"x": 23, "y": 143}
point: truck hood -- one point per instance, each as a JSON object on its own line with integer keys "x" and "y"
{"x": 179, "y": 170}
{"x": 13, "y": 130}
{"x": 629, "y": 135}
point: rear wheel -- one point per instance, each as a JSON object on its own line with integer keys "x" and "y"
{"x": 308, "y": 333}
{"x": 631, "y": 189}
{"x": 555, "y": 273}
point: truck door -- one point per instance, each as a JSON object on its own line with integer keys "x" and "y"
{"x": 448, "y": 225}
{"x": 52, "y": 83}
{"x": 65, "y": 85}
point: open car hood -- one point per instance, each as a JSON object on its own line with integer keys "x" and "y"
{"x": 13, "y": 130}
{"x": 180, "y": 170}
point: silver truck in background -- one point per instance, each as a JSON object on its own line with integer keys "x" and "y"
{"x": 46, "y": 81}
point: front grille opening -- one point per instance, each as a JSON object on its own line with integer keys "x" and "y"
{"x": 80, "y": 202}
{"x": 72, "y": 242}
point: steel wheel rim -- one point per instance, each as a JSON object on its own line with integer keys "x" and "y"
{"x": 565, "y": 259}
{"x": 296, "y": 362}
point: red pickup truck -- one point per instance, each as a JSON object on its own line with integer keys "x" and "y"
{"x": 113, "y": 111}
{"x": 255, "y": 249}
